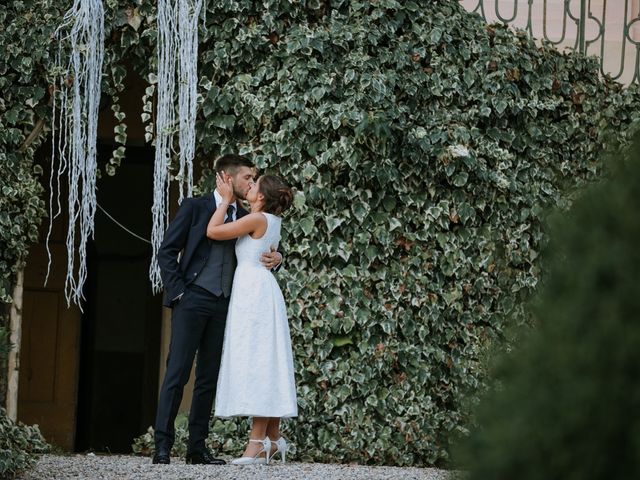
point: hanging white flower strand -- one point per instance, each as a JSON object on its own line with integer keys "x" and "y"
{"x": 76, "y": 93}
{"x": 188, "y": 14}
{"x": 177, "y": 60}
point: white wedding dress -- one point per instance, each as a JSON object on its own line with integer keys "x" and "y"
{"x": 256, "y": 374}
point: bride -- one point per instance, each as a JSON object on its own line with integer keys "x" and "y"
{"x": 256, "y": 375}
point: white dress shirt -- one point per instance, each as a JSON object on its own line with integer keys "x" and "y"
{"x": 219, "y": 199}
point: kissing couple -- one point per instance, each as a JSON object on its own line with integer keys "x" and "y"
{"x": 217, "y": 262}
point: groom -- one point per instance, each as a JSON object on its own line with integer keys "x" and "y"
{"x": 197, "y": 274}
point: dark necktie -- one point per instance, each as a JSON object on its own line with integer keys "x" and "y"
{"x": 230, "y": 210}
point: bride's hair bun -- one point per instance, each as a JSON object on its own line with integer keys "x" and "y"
{"x": 278, "y": 196}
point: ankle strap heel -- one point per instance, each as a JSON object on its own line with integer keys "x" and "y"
{"x": 281, "y": 448}
{"x": 256, "y": 459}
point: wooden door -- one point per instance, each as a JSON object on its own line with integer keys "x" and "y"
{"x": 49, "y": 352}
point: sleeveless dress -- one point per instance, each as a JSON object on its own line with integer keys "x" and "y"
{"x": 256, "y": 374}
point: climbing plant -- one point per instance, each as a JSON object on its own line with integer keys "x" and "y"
{"x": 19, "y": 444}
{"x": 23, "y": 108}
{"x": 424, "y": 147}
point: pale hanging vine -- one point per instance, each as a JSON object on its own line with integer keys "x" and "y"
{"x": 76, "y": 91}
{"x": 177, "y": 61}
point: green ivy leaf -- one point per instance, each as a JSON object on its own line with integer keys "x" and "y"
{"x": 223, "y": 121}
{"x": 360, "y": 210}
{"x": 307, "y": 224}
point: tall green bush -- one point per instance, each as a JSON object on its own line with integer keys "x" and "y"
{"x": 565, "y": 404}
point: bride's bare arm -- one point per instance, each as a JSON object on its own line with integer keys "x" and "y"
{"x": 218, "y": 230}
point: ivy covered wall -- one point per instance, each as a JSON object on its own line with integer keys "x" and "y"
{"x": 425, "y": 148}
{"x": 23, "y": 108}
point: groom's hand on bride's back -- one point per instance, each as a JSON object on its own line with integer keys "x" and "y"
{"x": 271, "y": 260}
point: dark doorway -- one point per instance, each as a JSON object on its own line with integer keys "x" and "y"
{"x": 120, "y": 345}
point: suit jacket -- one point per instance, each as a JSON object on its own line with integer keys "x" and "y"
{"x": 187, "y": 233}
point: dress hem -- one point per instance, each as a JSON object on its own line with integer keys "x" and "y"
{"x": 231, "y": 415}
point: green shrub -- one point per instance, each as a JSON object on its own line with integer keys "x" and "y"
{"x": 18, "y": 446}
{"x": 566, "y": 400}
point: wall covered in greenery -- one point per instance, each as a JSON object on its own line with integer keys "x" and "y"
{"x": 23, "y": 104}
{"x": 425, "y": 148}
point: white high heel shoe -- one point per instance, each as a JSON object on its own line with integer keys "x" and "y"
{"x": 256, "y": 459}
{"x": 281, "y": 445}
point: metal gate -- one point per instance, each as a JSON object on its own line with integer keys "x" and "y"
{"x": 607, "y": 29}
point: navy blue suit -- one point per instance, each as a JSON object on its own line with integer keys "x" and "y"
{"x": 197, "y": 322}
{"x": 187, "y": 233}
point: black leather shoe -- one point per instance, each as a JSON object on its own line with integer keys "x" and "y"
{"x": 161, "y": 457}
{"x": 203, "y": 458}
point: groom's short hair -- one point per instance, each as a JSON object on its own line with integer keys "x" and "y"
{"x": 230, "y": 163}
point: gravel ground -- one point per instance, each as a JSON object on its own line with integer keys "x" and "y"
{"x": 122, "y": 467}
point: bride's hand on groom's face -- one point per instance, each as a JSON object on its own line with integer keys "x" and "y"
{"x": 225, "y": 186}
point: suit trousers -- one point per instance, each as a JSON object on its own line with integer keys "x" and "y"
{"x": 197, "y": 325}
